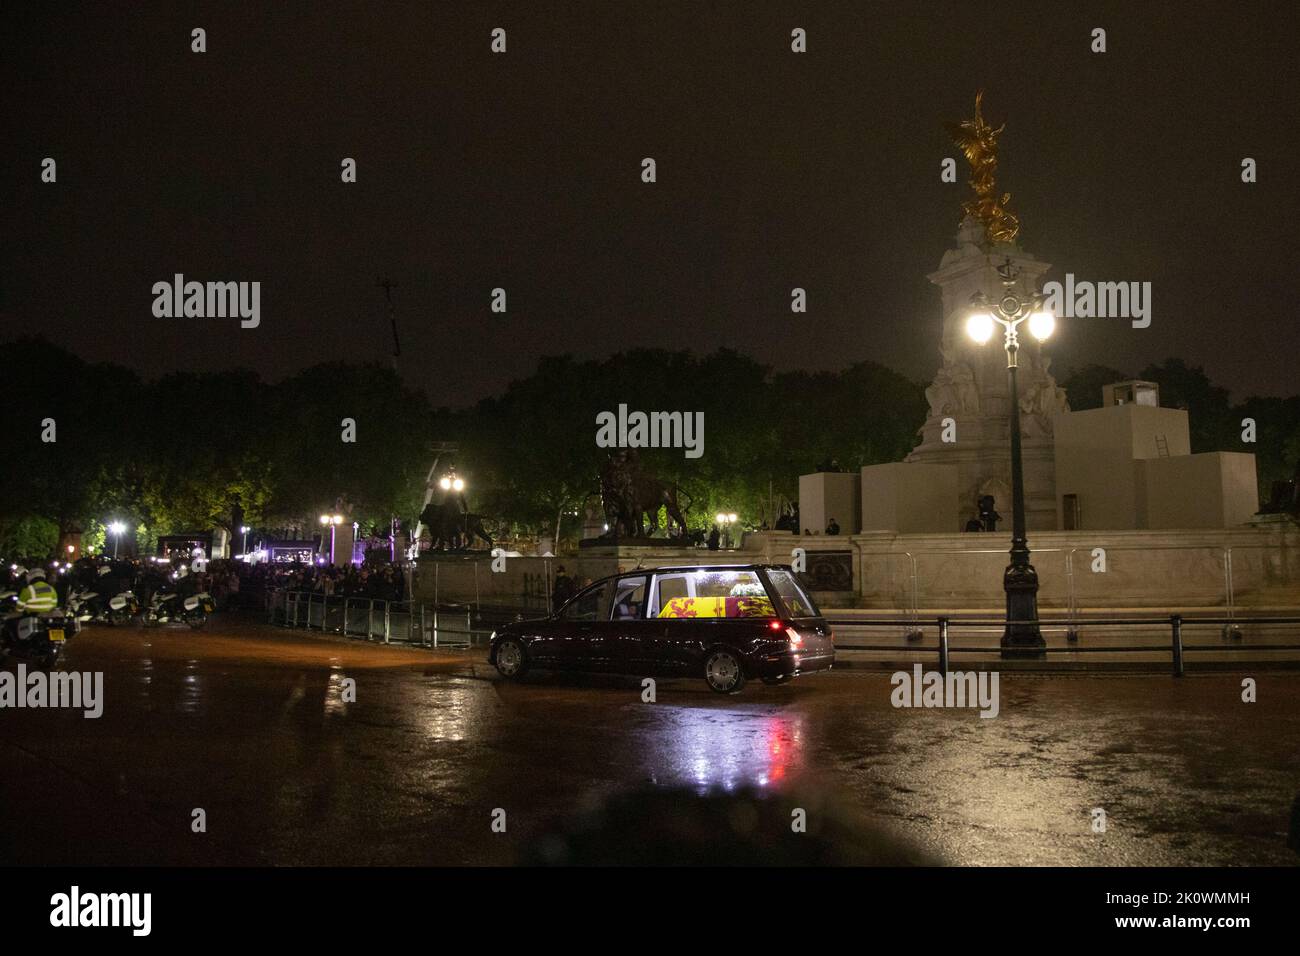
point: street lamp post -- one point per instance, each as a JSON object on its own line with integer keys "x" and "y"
{"x": 333, "y": 521}
{"x": 725, "y": 521}
{"x": 244, "y": 530}
{"x": 452, "y": 482}
{"x": 1022, "y": 636}
{"x": 117, "y": 528}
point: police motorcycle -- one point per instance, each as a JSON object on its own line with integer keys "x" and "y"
{"x": 86, "y": 606}
{"x": 38, "y": 637}
{"x": 185, "y": 608}
{"x": 91, "y": 605}
{"x": 194, "y": 610}
{"x": 160, "y": 609}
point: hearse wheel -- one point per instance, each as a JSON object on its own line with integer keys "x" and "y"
{"x": 723, "y": 673}
{"x": 511, "y": 660}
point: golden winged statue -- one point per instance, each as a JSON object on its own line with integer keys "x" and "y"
{"x": 979, "y": 142}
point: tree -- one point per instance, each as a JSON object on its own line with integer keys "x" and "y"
{"x": 1277, "y": 438}
{"x": 1208, "y": 410}
{"x": 533, "y": 454}
{"x": 381, "y": 472}
{"x": 90, "y": 413}
{"x": 1083, "y": 385}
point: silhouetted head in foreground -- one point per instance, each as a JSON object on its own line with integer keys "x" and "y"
{"x": 748, "y": 827}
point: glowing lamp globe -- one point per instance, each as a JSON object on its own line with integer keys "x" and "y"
{"x": 980, "y": 326}
{"x": 1041, "y": 325}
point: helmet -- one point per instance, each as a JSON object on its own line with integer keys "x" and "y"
{"x": 19, "y": 571}
{"x": 36, "y": 574}
{"x": 104, "y": 570}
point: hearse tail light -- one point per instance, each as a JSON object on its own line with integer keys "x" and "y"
{"x": 796, "y": 639}
{"x": 775, "y": 625}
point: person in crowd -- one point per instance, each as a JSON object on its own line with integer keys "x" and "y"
{"x": 37, "y": 596}
{"x": 563, "y": 589}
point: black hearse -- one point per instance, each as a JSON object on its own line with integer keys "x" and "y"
{"x": 725, "y": 623}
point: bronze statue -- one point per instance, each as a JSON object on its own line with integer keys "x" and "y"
{"x": 616, "y": 495}
{"x": 978, "y": 141}
{"x": 630, "y": 495}
{"x": 452, "y": 526}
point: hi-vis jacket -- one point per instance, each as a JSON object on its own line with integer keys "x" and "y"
{"x": 37, "y": 598}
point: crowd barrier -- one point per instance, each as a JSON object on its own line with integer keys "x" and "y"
{"x": 373, "y": 619}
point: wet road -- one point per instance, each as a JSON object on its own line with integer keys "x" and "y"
{"x": 250, "y": 724}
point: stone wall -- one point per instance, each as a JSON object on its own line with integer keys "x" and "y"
{"x": 951, "y": 572}
{"x": 1096, "y": 571}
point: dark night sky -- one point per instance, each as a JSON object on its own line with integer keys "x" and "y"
{"x": 522, "y": 171}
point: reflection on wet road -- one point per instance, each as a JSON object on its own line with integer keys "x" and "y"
{"x": 254, "y": 726}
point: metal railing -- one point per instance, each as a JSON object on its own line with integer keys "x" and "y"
{"x": 374, "y": 619}
{"x": 1175, "y": 622}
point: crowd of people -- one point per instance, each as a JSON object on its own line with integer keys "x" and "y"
{"x": 384, "y": 582}
{"x": 232, "y": 584}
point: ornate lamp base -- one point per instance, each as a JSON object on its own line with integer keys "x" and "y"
{"x": 1022, "y": 637}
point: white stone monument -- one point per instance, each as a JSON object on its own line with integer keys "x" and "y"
{"x": 969, "y": 397}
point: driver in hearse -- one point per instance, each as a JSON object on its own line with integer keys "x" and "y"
{"x": 627, "y": 609}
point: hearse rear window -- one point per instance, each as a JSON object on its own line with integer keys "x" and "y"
{"x": 793, "y": 594}
{"x": 713, "y": 594}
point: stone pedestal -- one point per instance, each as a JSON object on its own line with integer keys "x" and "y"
{"x": 825, "y": 495}
{"x": 971, "y": 388}
{"x": 910, "y": 498}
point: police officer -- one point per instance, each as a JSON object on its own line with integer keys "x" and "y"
{"x": 38, "y": 597}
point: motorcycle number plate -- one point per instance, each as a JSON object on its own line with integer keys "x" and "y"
{"x": 56, "y": 634}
